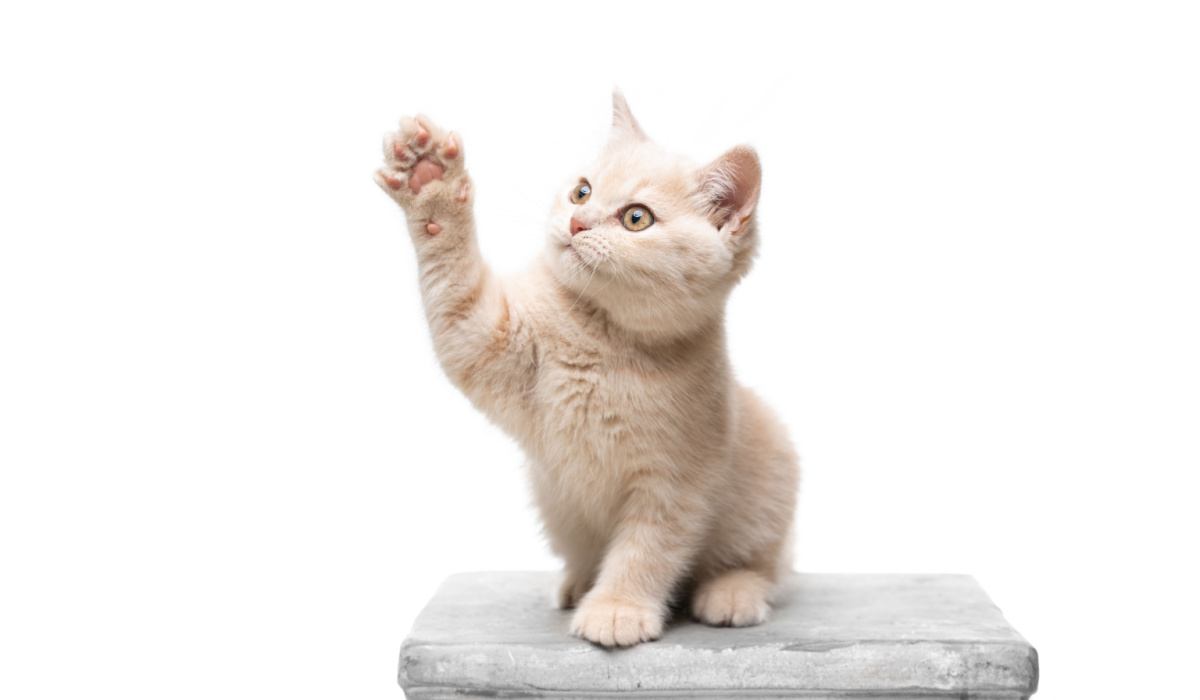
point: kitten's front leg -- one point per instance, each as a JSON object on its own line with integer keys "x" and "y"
{"x": 480, "y": 338}
{"x": 656, "y": 538}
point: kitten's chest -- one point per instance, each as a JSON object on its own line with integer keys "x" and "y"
{"x": 608, "y": 416}
{"x": 601, "y": 405}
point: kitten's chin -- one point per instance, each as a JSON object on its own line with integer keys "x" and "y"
{"x": 569, "y": 269}
{"x": 572, "y": 256}
{"x": 568, "y": 263}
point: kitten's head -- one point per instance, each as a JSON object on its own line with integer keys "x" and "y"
{"x": 652, "y": 238}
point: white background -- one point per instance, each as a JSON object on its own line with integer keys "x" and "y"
{"x": 232, "y": 468}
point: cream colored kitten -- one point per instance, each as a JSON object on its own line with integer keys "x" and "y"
{"x": 656, "y": 474}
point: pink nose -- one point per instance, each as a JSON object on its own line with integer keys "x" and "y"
{"x": 576, "y": 227}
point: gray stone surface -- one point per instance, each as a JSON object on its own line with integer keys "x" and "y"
{"x": 838, "y": 636}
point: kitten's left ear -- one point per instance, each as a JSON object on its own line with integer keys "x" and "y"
{"x": 728, "y": 190}
{"x": 624, "y": 126}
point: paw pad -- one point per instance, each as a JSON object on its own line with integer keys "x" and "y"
{"x": 418, "y": 154}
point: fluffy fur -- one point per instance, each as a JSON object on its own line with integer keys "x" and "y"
{"x": 658, "y": 478}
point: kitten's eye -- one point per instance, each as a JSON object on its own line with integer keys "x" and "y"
{"x": 637, "y": 218}
{"x": 582, "y": 191}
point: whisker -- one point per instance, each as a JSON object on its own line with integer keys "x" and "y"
{"x": 585, "y": 286}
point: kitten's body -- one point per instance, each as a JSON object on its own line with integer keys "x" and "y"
{"x": 652, "y": 469}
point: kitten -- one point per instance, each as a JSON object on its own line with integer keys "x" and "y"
{"x": 656, "y": 475}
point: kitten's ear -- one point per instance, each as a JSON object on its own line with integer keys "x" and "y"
{"x": 728, "y": 190}
{"x": 624, "y": 126}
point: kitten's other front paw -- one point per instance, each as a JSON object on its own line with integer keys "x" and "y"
{"x": 423, "y": 170}
{"x": 616, "y": 622}
{"x": 733, "y": 599}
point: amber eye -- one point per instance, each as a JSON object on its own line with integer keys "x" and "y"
{"x": 582, "y": 191}
{"x": 637, "y": 218}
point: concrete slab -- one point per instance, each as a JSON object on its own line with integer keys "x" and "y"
{"x": 843, "y": 636}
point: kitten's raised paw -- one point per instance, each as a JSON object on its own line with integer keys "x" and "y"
{"x": 732, "y": 599}
{"x": 422, "y": 159}
{"x": 616, "y": 622}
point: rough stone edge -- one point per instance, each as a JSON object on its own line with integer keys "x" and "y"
{"x": 445, "y": 693}
{"x": 938, "y": 669}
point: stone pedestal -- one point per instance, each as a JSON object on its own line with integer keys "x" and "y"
{"x": 843, "y": 636}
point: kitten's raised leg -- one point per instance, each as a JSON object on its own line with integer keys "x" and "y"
{"x": 479, "y": 336}
{"x": 734, "y": 598}
{"x": 423, "y": 171}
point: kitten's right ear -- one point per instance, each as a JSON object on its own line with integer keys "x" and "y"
{"x": 728, "y": 191}
{"x": 624, "y": 126}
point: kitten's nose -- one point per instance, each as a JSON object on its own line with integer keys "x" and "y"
{"x": 576, "y": 227}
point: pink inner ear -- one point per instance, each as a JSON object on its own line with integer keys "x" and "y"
{"x": 731, "y": 185}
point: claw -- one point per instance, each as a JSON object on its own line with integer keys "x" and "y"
{"x": 422, "y": 133}
{"x": 390, "y": 181}
{"x": 451, "y": 149}
{"x": 403, "y": 154}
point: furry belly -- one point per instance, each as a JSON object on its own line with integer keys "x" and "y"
{"x": 579, "y": 480}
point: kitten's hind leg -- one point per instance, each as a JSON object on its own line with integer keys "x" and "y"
{"x": 575, "y": 585}
{"x": 581, "y": 557}
{"x": 732, "y": 598}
